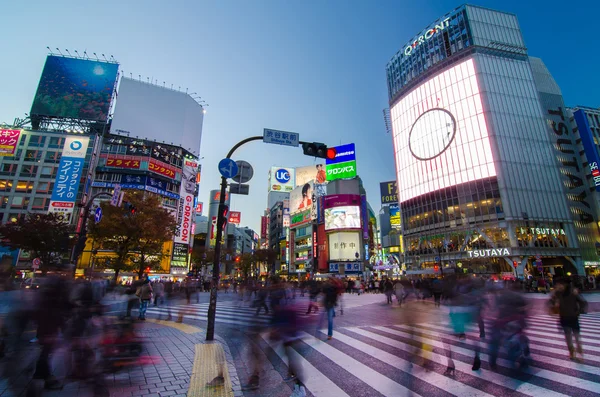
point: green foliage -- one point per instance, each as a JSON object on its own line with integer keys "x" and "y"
{"x": 136, "y": 238}
{"x": 46, "y": 236}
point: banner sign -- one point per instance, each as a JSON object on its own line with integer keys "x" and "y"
{"x": 389, "y": 192}
{"x": 300, "y": 218}
{"x": 341, "y": 171}
{"x": 122, "y": 162}
{"x": 340, "y": 200}
{"x": 141, "y": 186}
{"x": 70, "y": 170}
{"x": 9, "y": 139}
{"x": 180, "y": 256}
{"x": 395, "y": 221}
{"x": 186, "y": 202}
{"x": 235, "y": 217}
{"x": 589, "y": 146}
{"x": 263, "y": 226}
{"x": 344, "y": 154}
{"x": 164, "y": 169}
{"x": 199, "y": 208}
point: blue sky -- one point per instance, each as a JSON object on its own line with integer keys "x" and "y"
{"x": 314, "y": 67}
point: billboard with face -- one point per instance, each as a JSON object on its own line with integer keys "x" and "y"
{"x": 440, "y": 134}
{"x": 347, "y": 217}
{"x": 315, "y": 173}
{"x": 75, "y": 88}
{"x": 302, "y": 198}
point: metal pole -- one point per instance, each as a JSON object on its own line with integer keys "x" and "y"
{"x": 212, "y": 307}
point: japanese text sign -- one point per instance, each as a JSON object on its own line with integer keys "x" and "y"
{"x": 8, "y": 141}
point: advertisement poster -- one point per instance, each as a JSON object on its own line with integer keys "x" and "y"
{"x": 395, "y": 221}
{"x": 300, "y": 218}
{"x": 282, "y": 179}
{"x": 70, "y": 170}
{"x": 179, "y": 259}
{"x": 122, "y": 162}
{"x": 75, "y": 88}
{"x": 302, "y": 198}
{"x": 263, "y": 227}
{"x": 343, "y": 166}
{"x": 389, "y": 192}
{"x": 167, "y": 170}
{"x": 315, "y": 173}
{"x": 344, "y": 246}
{"x": 342, "y": 218}
{"x": 199, "y": 208}
{"x": 9, "y": 139}
{"x": 185, "y": 209}
{"x": 235, "y": 217}
{"x": 340, "y": 200}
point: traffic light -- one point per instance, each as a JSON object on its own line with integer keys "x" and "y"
{"x": 436, "y": 268}
{"x": 317, "y": 149}
{"x": 237, "y": 259}
{"x": 130, "y": 208}
{"x": 515, "y": 264}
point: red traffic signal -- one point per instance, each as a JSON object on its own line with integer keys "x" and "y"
{"x": 237, "y": 258}
{"x": 436, "y": 268}
{"x": 331, "y": 153}
{"x": 515, "y": 264}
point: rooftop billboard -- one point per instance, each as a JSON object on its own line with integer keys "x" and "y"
{"x": 159, "y": 113}
{"x": 440, "y": 134}
{"x": 75, "y": 88}
{"x": 314, "y": 173}
{"x": 343, "y": 166}
{"x": 282, "y": 179}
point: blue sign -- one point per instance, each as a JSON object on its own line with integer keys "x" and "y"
{"x": 98, "y": 215}
{"x": 587, "y": 139}
{"x": 228, "y": 168}
{"x": 147, "y": 187}
{"x": 68, "y": 176}
{"x": 344, "y": 153}
{"x": 282, "y": 176}
{"x": 281, "y": 137}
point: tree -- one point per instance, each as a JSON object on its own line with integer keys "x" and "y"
{"x": 46, "y": 236}
{"x": 136, "y": 232}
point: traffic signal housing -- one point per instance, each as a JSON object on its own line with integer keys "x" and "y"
{"x": 317, "y": 149}
{"x": 130, "y": 208}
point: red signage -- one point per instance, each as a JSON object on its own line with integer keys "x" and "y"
{"x": 117, "y": 162}
{"x": 217, "y": 196}
{"x": 187, "y": 218}
{"x": 263, "y": 227}
{"x": 8, "y": 141}
{"x": 323, "y": 250}
{"x": 62, "y": 204}
{"x": 161, "y": 168}
{"x": 235, "y": 217}
{"x": 199, "y": 208}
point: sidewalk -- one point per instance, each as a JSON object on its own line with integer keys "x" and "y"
{"x": 176, "y": 363}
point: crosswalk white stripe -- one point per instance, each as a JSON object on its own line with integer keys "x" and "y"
{"x": 445, "y": 383}
{"x": 536, "y": 357}
{"x": 317, "y": 383}
{"x": 475, "y": 333}
{"x": 377, "y": 381}
{"x": 204, "y": 311}
{"x": 223, "y": 319}
{"x": 490, "y": 376}
{"x": 534, "y": 327}
{"x": 591, "y": 320}
{"x": 556, "y": 325}
{"x": 542, "y": 373}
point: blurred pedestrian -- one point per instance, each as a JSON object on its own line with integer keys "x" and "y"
{"x": 569, "y": 304}
{"x": 399, "y": 292}
{"x": 312, "y": 295}
{"x": 388, "y": 289}
{"x": 330, "y": 297}
{"x": 159, "y": 293}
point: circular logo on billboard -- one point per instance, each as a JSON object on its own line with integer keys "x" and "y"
{"x": 75, "y": 145}
{"x": 431, "y": 134}
{"x": 282, "y": 176}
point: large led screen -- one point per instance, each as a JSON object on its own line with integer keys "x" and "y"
{"x": 347, "y": 217}
{"x": 75, "y": 88}
{"x": 440, "y": 135}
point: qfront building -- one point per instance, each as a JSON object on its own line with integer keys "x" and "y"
{"x": 479, "y": 184}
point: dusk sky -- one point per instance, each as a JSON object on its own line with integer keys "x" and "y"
{"x": 312, "y": 67}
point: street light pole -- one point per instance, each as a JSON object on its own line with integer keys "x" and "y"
{"x": 212, "y": 307}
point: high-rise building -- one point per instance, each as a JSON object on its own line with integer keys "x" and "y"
{"x": 479, "y": 186}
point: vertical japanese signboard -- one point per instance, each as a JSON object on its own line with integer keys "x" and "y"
{"x": 185, "y": 210}
{"x": 9, "y": 139}
{"x": 68, "y": 177}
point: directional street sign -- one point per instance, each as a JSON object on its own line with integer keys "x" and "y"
{"x": 228, "y": 168}
{"x": 245, "y": 173}
{"x": 236, "y": 188}
{"x": 281, "y": 137}
{"x": 36, "y": 263}
{"x": 98, "y": 215}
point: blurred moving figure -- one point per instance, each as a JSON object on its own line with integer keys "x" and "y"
{"x": 569, "y": 304}
{"x": 330, "y": 298}
{"x": 144, "y": 292}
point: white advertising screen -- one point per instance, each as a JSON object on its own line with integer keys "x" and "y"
{"x": 440, "y": 135}
{"x": 344, "y": 246}
{"x": 160, "y": 113}
{"x": 346, "y": 217}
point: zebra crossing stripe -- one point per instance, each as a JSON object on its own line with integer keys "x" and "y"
{"x": 486, "y": 375}
{"x": 223, "y": 318}
{"x": 541, "y": 373}
{"x": 318, "y": 384}
{"x": 377, "y": 381}
{"x": 537, "y": 357}
{"x": 445, "y": 383}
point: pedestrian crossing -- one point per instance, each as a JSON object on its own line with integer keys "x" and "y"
{"x": 233, "y": 313}
{"x": 411, "y": 360}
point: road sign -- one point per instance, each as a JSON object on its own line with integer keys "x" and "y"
{"x": 36, "y": 263}
{"x": 245, "y": 172}
{"x": 437, "y": 258}
{"x": 281, "y": 137}
{"x": 236, "y": 188}
{"x": 114, "y": 201}
{"x": 98, "y": 215}
{"x": 228, "y": 168}
{"x": 537, "y": 257}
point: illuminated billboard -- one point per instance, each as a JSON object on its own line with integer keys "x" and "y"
{"x": 440, "y": 135}
{"x": 282, "y": 179}
{"x": 75, "y": 88}
{"x": 8, "y": 141}
{"x": 344, "y": 246}
{"x": 302, "y": 198}
{"x": 343, "y": 166}
{"x": 347, "y": 217}
{"x": 395, "y": 220}
{"x": 315, "y": 173}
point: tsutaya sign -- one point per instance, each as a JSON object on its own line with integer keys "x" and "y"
{"x": 487, "y": 253}
{"x": 543, "y": 230}
{"x": 427, "y": 35}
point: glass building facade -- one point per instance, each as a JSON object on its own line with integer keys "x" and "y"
{"x": 478, "y": 180}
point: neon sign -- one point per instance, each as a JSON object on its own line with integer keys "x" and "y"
{"x": 427, "y": 35}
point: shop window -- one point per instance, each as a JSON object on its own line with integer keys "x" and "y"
{"x": 51, "y": 157}
{"x": 8, "y": 169}
{"x": 37, "y": 141}
{"x": 4, "y": 202}
{"x": 5, "y": 185}
{"x": 22, "y": 141}
{"x": 19, "y": 202}
{"x": 32, "y": 155}
{"x": 24, "y": 187}
{"x": 38, "y": 203}
{"x": 55, "y": 142}
{"x": 43, "y": 187}
{"x": 47, "y": 172}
